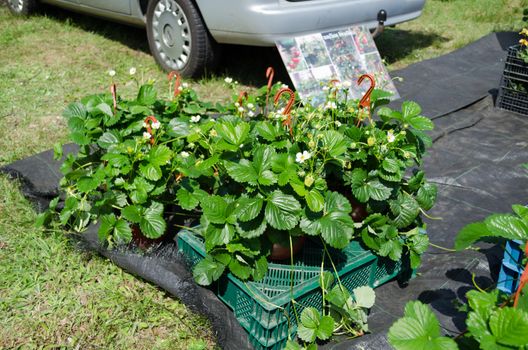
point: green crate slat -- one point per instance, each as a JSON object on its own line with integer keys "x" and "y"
{"x": 264, "y": 308}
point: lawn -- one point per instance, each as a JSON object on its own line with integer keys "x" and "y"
{"x": 53, "y": 295}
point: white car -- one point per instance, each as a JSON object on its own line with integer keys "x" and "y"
{"x": 183, "y": 34}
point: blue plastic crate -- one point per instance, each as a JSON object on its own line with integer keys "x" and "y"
{"x": 512, "y": 268}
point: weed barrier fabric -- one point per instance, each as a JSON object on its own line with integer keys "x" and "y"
{"x": 475, "y": 162}
{"x": 450, "y": 82}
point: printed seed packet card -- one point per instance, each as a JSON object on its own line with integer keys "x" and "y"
{"x": 313, "y": 60}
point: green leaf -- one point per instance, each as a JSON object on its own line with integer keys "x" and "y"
{"x": 268, "y": 131}
{"x": 207, "y": 271}
{"x": 470, "y": 234}
{"x": 338, "y": 296}
{"x": 337, "y": 229}
{"x": 159, "y": 155}
{"x": 386, "y": 114}
{"x": 122, "y": 231}
{"x": 326, "y": 279}
{"x": 107, "y": 225}
{"x": 105, "y": 109}
{"x": 406, "y": 210}
{"x": 291, "y": 345}
{"x": 315, "y": 200}
{"x": 147, "y": 95}
{"x": 426, "y": 196}
{"x": 391, "y": 165}
{"x": 410, "y": 109}
{"x": 310, "y": 319}
{"x": 217, "y": 235}
{"x": 418, "y": 329}
{"x": 282, "y": 211}
{"x": 420, "y": 123}
{"x": 152, "y": 224}
{"x": 507, "y": 226}
{"x": 249, "y": 208}
{"x": 510, "y": 326}
{"x": 482, "y": 302}
{"x": 75, "y": 110}
{"x": 214, "y": 209}
{"x": 260, "y": 269}
{"x": 242, "y": 171}
{"x": 335, "y": 143}
{"x": 364, "y": 296}
{"x": 420, "y": 243}
{"x": 150, "y": 171}
{"x": 178, "y": 128}
{"x": 240, "y": 269}
{"x": 231, "y": 133}
{"x": 133, "y": 213}
{"x": 187, "y": 199}
{"x": 283, "y": 165}
{"x": 326, "y": 328}
{"x": 80, "y": 138}
{"x": 521, "y": 211}
{"x": 363, "y": 190}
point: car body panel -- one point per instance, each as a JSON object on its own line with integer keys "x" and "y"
{"x": 262, "y": 22}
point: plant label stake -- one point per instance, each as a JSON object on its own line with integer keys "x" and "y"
{"x": 113, "y": 90}
{"x": 523, "y": 281}
{"x": 177, "y": 83}
{"x": 270, "y": 72}
{"x": 287, "y": 109}
{"x": 364, "y": 103}
{"x": 150, "y": 119}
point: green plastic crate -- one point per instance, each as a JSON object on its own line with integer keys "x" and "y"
{"x": 264, "y": 308}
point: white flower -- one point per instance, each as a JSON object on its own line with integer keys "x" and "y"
{"x": 132, "y": 70}
{"x": 145, "y": 125}
{"x": 146, "y": 135}
{"x": 191, "y": 145}
{"x": 326, "y": 88}
{"x": 156, "y": 125}
{"x": 213, "y": 133}
{"x": 228, "y": 80}
{"x": 250, "y": 106}
{"x": 237, "y": 104}
{"x": 251, "y": 114}
{"x": 241, "y": 109}
{"x": 196, "y": 118}
{"x": 390, "y": 136}
{"x": 330, "y": 105}
{"x": 185, "y": 85}
{"x": 338, "y": 123}
{"x": 347, "y": 84}
{"x": 184, "y": 154}
{"x": 284, "y": 86}
{"x": 301, "y": 157}
{"x": 383, "y": 148}
{"x": 280, "y": 111}
{"x": 241, "y": 145}
{"x": 180, "y": 88}
{"x": 111, "y": 72}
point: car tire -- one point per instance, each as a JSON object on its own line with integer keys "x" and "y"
{"x": 178, "y": 38}
{"x": 21, "y": 7}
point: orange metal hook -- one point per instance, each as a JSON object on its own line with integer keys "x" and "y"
{"x": 287, "y": 109}
{"x": 270, "y": 73}
{"x": 151, "y": 119}
{"x": 113, "y": 90}
{"x": 365, "y": 100}
{"x": 241, "y": 96}
{"x": 177, "y": 83}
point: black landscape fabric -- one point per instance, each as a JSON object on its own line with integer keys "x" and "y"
{"x": 475, "y": 162}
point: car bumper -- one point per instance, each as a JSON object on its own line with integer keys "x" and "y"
{"x": 262, "y": 22}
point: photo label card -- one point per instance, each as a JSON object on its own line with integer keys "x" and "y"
{"x": 313, "y": 60}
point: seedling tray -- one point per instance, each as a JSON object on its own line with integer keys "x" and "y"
{"x": 264, "y": 308}
{"x": 511, "y": 268}
{"x": 513, "y": 91}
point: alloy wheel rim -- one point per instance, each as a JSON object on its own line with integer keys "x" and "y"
{"x": 16, "y": 5}
{"x": 171, "y": 33}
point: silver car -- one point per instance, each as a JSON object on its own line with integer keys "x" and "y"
{"x": 183, "y": 35}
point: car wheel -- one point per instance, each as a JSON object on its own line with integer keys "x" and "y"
{"x": 178, "y": 38}
{"x": 21, "y": 7}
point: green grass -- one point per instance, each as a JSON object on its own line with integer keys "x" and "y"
{"x": 51, "y": 294}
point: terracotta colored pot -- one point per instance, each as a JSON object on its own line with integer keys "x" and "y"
{"x": 280, "y": 252}
{"x": 144, "y": 242}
